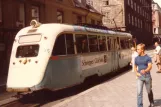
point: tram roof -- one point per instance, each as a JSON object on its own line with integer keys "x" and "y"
{"x": 47, "y": 28}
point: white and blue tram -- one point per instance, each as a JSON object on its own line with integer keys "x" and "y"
{"x": 56, "y": 56}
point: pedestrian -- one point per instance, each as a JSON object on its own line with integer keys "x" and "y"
{"x": 144, "y": 64}
{"x": 157, "y": 53}
{"x": 133, "y": 56}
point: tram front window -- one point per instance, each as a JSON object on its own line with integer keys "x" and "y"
{"x": 27, "y": 51}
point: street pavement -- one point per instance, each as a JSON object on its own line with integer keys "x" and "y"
{"x": 117, "y": 92}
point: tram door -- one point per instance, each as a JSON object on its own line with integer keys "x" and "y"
{"x": 114, "y": 53}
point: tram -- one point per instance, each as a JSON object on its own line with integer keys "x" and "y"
{"x": 55, "y": 56}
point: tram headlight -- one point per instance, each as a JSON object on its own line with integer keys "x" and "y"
{"x": 25, "y": 61}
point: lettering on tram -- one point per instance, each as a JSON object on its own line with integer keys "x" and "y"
{"x": 93, "y": 61}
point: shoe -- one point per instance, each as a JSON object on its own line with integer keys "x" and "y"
{"x": 151, "y": 105}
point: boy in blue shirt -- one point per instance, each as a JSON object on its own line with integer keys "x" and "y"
{"x": 144, "y": 64}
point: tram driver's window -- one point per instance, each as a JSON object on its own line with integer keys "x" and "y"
{"x": 123, "y": 44}
{"x": 59, "y": 47}
{"x": 109, "y": 43}
{"x": 102, "y": 43}
{"x": 93, "y": 43}
{"x": 69, "y": 43}
{"x": 118, "y": 44}
{"x": 81, "y": 43}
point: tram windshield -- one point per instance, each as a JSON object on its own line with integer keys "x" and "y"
{"x": 27, "y": 51}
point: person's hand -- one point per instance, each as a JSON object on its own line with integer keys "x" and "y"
{"x": 138, "y": 74}
{"x": 143, "y": 71}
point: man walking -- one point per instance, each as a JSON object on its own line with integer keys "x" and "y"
{"x": 144, "y": 64}
{"x": 158, "y": 57}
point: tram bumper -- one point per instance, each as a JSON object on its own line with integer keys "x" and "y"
{"x": 23, "y": 80}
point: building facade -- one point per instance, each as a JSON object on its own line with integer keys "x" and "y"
{"x": 71, "y": 12}
{"x": 132, "y": 16}
{"x": 15, "y": 14}
{"x": 156, "y": 18}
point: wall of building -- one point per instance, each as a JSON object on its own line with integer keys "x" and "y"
{"x": 156, "y": 18}
{"x": 70, "y": 13}
{"x": 113, "y": 11}
{"x": 15, "y": 14}
{"x": 138, "y": 20}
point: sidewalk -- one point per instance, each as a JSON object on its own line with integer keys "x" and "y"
{"x": 118, "y": 92}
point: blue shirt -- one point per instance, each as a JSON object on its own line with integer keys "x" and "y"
{"x": 142, "y": 63}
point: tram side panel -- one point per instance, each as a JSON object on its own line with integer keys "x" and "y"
{"x": 61, "y": 73}
{"x": 69, "y": 71}
{"x": 97, "y": 63}
{"x": 124, "y": 58}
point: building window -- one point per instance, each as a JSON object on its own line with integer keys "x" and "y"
{"x": 138, "y": 23}
{"x": 128, "y": 2}
{"x": 135, "y": 6}
{"x": 135, "y": 21}
{"x": 90, "y": 2}
{"x": 138, "y": 9}
{"x": 132, "y": 20}
{"x": 79, "y": 19}
{"x": 132, "y": 4}
{"x": 21, "y": 14}
{"x": 143, "y": 13}
{"x": 106, "y": 2}
{"x": 99, "y": 23}
{"x": 0, "y": 11}
{"x": 59, "y": 17}
{"x": 129, "y": 18}
{"x": 35, "y": 12}
{"x": 92, "y": 21}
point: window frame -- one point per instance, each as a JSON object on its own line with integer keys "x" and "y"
{"x": 65, "y": 43}
{"x": 62, "y": 15}
{"x": 38, "y": 13}
{"x": 21, "y": 22}
{"x": 1, "y": 14}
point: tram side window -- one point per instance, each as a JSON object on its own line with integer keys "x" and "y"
{"x": 102, "y": 43}
{"x": 123, "y": 45}
{"x": 130, "y": 43}
{"x": 126, "y": 43}
{"x": 70, "y": 43}
{"x": 59, "y": 47}
{"x": 109, "y": 43}
{"x": 118, "y": 44}
{"x": 93, "y": 43}
{"x": 81, "y": 43}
